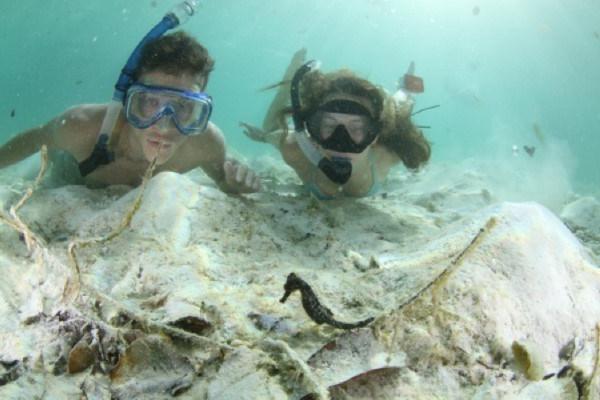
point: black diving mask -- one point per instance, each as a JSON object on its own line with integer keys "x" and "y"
{"x": 343, "y": 126}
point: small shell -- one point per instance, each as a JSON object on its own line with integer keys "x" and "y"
{"x": 194, "y": 324}
{"x": 528, "y": 359}
{"x": 81, "y": 357}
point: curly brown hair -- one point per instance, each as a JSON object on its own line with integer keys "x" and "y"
{"x": 174, "y": 54}
{"x": 396, "y": 131}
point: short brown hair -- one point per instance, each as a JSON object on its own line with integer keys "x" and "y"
{"x": 174, "y": 54}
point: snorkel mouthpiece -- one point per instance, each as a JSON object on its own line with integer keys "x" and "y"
{"x": 337, "y": 169}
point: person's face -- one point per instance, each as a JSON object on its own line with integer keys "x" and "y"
{"x": 356, "y": 125}
{"x": 162, "y": 139}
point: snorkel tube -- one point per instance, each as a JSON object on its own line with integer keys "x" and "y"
{"x": 337, "y": 169}
{"x": 101, "y": 155}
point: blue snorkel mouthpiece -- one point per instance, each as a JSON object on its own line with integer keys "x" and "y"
{"x": 101, "y": 155}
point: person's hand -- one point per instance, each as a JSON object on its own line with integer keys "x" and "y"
{"x": 254, "y": 132}
{"x": 240, "y": 179}
{"x": 274, "y": 137}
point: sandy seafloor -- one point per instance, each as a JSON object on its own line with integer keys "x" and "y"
{"x": 184, "y": 302}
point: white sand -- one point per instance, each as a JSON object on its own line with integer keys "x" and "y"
{"x": 187, "y": 298}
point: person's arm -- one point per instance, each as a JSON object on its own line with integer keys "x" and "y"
{"x": 230, "y": 175}
{"x": 25, "y": 144}
{"x": 73, "y": 131}
{"x": 274, "y": 138}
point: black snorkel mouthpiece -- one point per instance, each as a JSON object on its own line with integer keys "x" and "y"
{"x": 337, "y": 169}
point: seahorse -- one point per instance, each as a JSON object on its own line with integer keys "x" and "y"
{"x": 315, "y": 310}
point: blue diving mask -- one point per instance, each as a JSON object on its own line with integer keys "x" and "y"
{"x": 190, "y": 111}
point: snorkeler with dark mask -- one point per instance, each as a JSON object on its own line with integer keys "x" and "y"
{"x": 347, "y": 132}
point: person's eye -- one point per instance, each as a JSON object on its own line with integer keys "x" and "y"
{"x": 183, "y": 107}
{"x": 151, "y": 101}
{"x": 328, "y": 127}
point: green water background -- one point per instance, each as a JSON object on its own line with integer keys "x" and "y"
{"x": 496, "y": 68}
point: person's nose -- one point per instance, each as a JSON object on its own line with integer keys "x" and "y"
{"x": 165, "y": 125}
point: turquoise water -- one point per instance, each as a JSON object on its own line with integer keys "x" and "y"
{"x": 496, "y": 68}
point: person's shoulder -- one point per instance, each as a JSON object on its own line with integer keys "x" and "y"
{"x": 77, "y": 127}
{"x": 81, "y": 116}
{"x": 206, "y": 146}
{"x": 290, "y": 150}
{"x": 211, "y": 138}
{"x": 384, "y": 156}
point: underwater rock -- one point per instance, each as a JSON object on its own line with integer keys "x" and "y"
{"x": 165, "y": 213}
{"x": 372, "y": 384}
{"x": 11, "y": 371}
{"x": 189, "y": 317}
{"x": 583, "y": 213}
{"x": 270, "y": 323}
{"x": 583, "y": 217}
{"x": 528, "y": 279}
{"x": 351, "y": 355}
{"x": 502, "y": 289}
{"x": 150, "y": 365}
{"x": 243, "y": 376}
{"x": 147, "y": 354}
{"x": 95, "y": 387}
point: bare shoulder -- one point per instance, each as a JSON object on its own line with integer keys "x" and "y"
{"x": 212, "y": 136}
{"x": 82, "y": 117}
{"x": 206, "y": 150}
{"x": 385, "y": 157}
{"x": 76, "y": 129}
{"x": 210, "y": 143}
{"x": 291, "y": 152}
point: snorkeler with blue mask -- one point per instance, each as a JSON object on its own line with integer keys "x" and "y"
{"x": 159, "y": 112}
{"x": 347, "y": 132}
